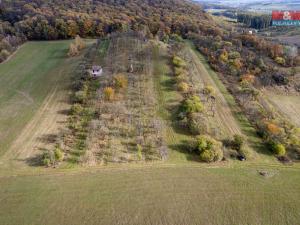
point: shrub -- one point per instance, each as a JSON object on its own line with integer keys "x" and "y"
{"x": 248, "y": 78}
{"x": 278, "y": 149}
{"x": 224, "y": 56}
{"x": 180, "y": 71}
{"x": 183, "y": 87}
{"x": 80, "y": 96}
{"x": 58, "y": 154}
{"x": 181, "y": 78}
{"x": 73, "y": 50}
{"x": 48, "y": 158}
{"x": 192, "y": 105}
{"x": 280, "y": 61}
{"x": 198, "y": 124}
{"x": 234, "y": 55}
{"x": 79, "y": 43}
{"x": 120, "y": 81}
{"x": 139, "y": 152}
{"x": 178, "y": 62}
{"x": 209, "y": 90}
{"x": 209, "y": 148}
{"x": 176, "y": 37}
{"x": 76, "y": 109}
{"x": 109, "y": 93}
{"x": 76, "y": 47}
{"x": 4, "y": 55}
{"x": 238, "y": 142}
{"x": 46, "y": 162}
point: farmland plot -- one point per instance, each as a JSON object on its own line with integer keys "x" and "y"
{"x": 126, "y": 128}
{"x": 33, "y": 98}
{"x": 288, "y": 106}
{"x": 218, "y": 113}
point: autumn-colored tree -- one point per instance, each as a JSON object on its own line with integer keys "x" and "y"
{"x": 276, "y": 50}
{"x": 224, "y": 56}
{"x": 183, "y": 87}
{"x": 79, "y": 43}
{"x": 209, "y": 90}
{"x": 272, "y": 128}
{"x": 120, "y": 81}
{"x": 76, "y": 47}
{"x": 109, "y": 94}
{"x": 73, "y": 50}
{"x": 248, "y": 78}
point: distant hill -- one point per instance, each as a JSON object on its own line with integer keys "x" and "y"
{"x": 256, "y": 5}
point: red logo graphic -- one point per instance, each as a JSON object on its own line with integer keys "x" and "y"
{"x": 286, "y": 15}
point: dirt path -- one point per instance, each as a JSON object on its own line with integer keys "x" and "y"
{"x": 224, "y": 118}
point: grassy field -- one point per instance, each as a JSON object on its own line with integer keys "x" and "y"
{"x": 25, "y": 81}
{"x": 287, "y": 106}
{"x": 34, "y": 87}
{"x": 168, "y": 99}
{"x": 170, "y": 195}
{"x": 180, "y": 190}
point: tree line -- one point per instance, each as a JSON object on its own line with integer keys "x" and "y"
{"x": 255, "y": 21}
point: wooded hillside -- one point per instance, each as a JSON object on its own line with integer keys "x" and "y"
{"x": 56, "y": 19}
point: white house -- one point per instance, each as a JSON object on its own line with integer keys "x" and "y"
{"x": 96, "y": 71}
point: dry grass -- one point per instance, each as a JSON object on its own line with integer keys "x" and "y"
{"x": 287, "y": 106}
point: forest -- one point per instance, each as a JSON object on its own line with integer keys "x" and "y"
{"x": 52, "y": 20}
{"x": 254, "y": 20}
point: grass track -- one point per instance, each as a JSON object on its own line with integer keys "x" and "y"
{"x": 248, "y": 130}
{"x": 168, "y": 99}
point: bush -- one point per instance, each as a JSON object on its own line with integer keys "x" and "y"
{"x": 120, "y": 81}
{"x": 234, "y": 55}
{"x": 198, "y": 124}
{"x": 238, "y": 142}
{"x": 280, "y": 61}
{"x": 180, "y": 71}
{"x": 209, "y": 90}
{"x": 76, "y": 109}
{"x": 109, "y": 93}
{"x": 176, "y": 37}
{"x": 192, "y": 105}
{"x": 178, "y": 62}
{"x": 181, "y": 78}
{"x": 48, "y": 158}
{"x": 139, "y": 152}
{"x": 278, "y": 149}
{"x": 183, "y": 87}
{"x": 210, "y": 149}
{"x": 58, "y": 155}
{"x": 224, "y": 56}
{"x": 4, "y": 55}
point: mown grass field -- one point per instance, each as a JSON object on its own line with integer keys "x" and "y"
{"x": 154, "y": 195}
{"x": 34, "y": 99}
{"x": 25, "y": 81}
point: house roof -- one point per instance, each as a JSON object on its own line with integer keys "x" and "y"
{"x": 96, "y": 68}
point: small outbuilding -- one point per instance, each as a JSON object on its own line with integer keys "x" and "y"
{"x": 96, "y": 71}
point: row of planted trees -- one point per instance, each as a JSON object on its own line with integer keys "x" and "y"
{"x": 197, "y": 111}
{"x": 243, "y": 65}
{"x": 73, "y": 140}
{"x": 190, "y": 110}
